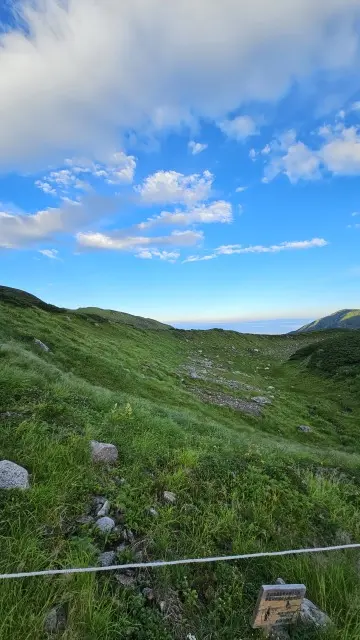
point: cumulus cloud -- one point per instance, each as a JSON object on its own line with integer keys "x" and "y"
{"x": 19, "y": 229}
{"x": 219, "y": 211}
{"x": 75, "y": 73}
{"x": 117, "y": 241}
{"x": 53, "y": 254}
{"x": 196, "y": 147}
{"x": 171, "y": 187}
{"x": 240, "y": 189}
{"x": 339, "y": 153}
{"x": 231, "y": 249}
{"x": 76, "y": 173}
{"x": 299, "y": 162}
{"x": 239, "y": 128}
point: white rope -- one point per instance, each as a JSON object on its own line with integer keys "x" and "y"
{"x": 168, "y": 563}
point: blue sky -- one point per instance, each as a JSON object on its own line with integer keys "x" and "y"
{"x": 184, "y": 162}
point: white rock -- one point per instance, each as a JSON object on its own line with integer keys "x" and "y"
{"x": 103, "y": 452}
{"x": 105, "y": 524}
{"x": 304, "y": 428}
{"x": 104, "y": 509}
{"x": 169, "y": 497}
{"x": 12, "y": 476}
{"x": 40, "y": 344}
{"x": 107, "y": 558}
{"x": 153, "y": 512}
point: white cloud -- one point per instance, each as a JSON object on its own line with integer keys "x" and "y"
{"x": 231, "y": 249}
{"x": 299, "y": 162}
{"x": 240, "y": 189}
{"x": 50, "y": 253}
{"x": 120, "y": 169}
{"x": 171, "y": 187}
{"x": 266, "y": 150}
{"x": 119, "y": 242}
{"x": 339, "y": 153}
{"x": 252, "y": 154}
{"x": 196, "y": 147}
{"x": 45, "y": 187}
{"x": 355, "y": 213}
{"x": 67, "y": 86}
{"x": 148, "y": 254}
{"x": 219, "y": 211}
{"x": 355, "y": 106}
{"x": 239, "y": 128}
{"x": 18, "y": 229}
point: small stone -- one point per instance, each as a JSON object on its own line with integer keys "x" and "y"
{"x": 55, "y": 620}
{"x": 126, "y": 580}
{"x": 162, "y": 606}
{"x": 266, "y": 368}
{"x": 105, "y": 525}
{"x": 311, "y": 614}
{"x": 148, "y": 594}
{"x": 153, "y": 512}
{"x": 128, "y": 536}
{"x": 304, "y": 428}
{"x": 280, "y": 581}
{"x": 271, "y": 388}
{"x": 12, "y": 476}
{"x": 169, "y": 497}
{"x": 261, "y": 400}
{"x": 42, "y": 346}
{"x": 121, "y": 547}
{"x": 103, "y": 452}
{"x": 104, "y": 509}
{"x": 107, "y": 558}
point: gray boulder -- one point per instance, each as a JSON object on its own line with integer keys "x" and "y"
{"x": 126, "y": 579}
{"x": 261, "y": 400}
{"x": 107, "y": 558}
{"x": 105, "y": 524}
{"x": 55, "y": 620}
{"x": 311, "y": 614}
{"x": 12, "y": 476}
{"x": 103, "y": 452}
{"x": 40, "y": 344}
{"x": 304, "y": 428}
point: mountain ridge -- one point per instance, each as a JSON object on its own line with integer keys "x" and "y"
{"x": 343, "y": 319}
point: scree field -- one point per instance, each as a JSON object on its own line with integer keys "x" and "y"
{"x": 182, "y": 408}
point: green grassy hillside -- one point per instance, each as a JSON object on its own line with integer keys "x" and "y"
{"x": 122, "y": 318}
{"x": 178, "y": 405}
{"x": 337, "y": 355}
{"x": 345, "y": 319}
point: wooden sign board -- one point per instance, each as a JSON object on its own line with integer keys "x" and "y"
{"x": 278, "y": 604}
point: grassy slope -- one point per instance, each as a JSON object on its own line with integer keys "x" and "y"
{"x": 243, "y": 483}
{"x": 122, "y": 318}
{"x": 344, "y": 319}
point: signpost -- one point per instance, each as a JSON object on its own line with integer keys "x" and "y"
{"x": 278, "y": 605}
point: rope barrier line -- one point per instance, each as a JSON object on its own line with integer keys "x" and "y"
{"x": 168, "y": 563}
